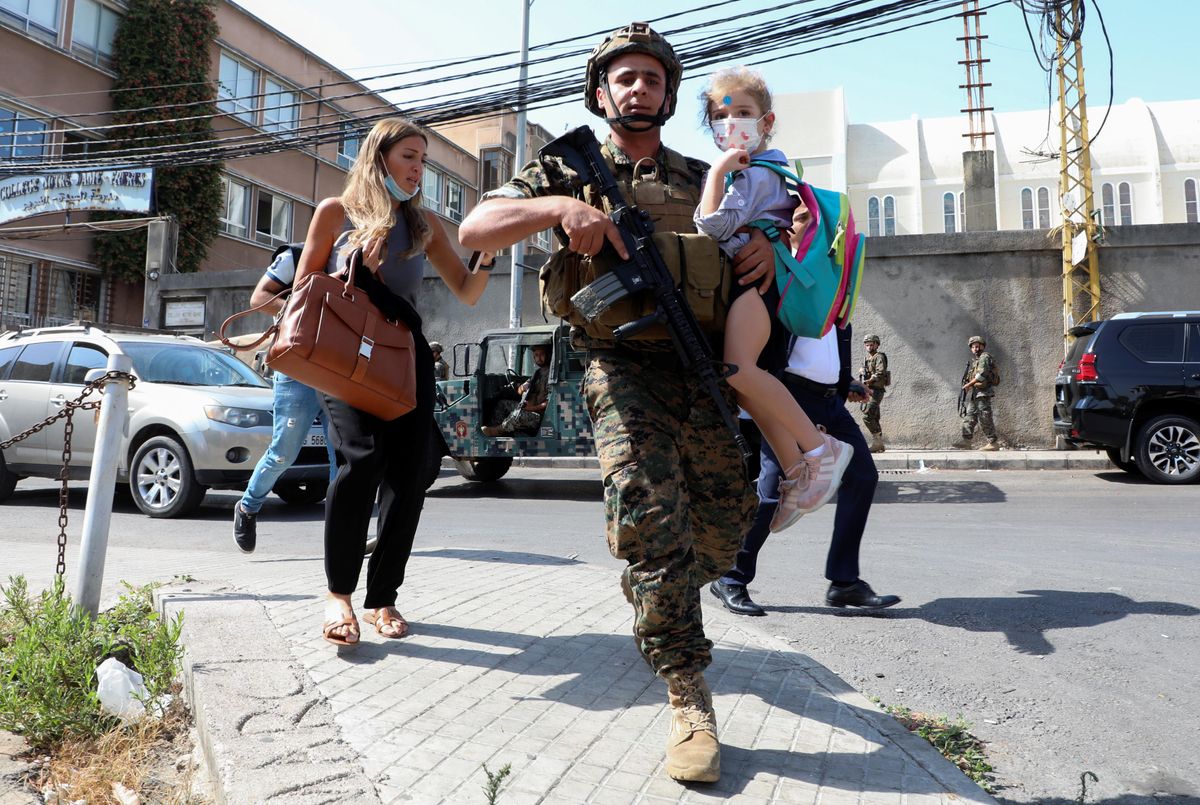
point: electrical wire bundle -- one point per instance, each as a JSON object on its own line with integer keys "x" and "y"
{"x": 762, "y": 34}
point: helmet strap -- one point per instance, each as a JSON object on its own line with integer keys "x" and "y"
{"x": 624, "y": 121}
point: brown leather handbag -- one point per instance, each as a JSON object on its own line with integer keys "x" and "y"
{"x": 331, "y": 336}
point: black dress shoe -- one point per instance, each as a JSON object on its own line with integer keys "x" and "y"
{"x": 735, "y": 598}
{"x": 245, "y": 528}
{"x": 859, "y": 594}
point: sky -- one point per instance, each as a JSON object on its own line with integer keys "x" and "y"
{"x": 913, "y": 72}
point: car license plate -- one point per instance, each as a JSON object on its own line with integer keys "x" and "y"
{"x": 314, "y": 440}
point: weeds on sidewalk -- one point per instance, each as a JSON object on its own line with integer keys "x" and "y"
{"x": 1083, "y": 778}
{"x": 495, "y": 778}
{"x": 49, "y": 651}
{"x": 953, "y": 739}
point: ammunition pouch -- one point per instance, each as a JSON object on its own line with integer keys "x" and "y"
{"x": 695, "y": 261}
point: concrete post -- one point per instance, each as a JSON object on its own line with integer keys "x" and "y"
{"x": 98, "y": 512}
{"x": 161, "y": 237}
{"x": 979, "y": 176}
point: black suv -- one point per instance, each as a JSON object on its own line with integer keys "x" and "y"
{"x": 1130, "y": 385}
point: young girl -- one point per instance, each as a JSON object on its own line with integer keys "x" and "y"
{"x": 737, "y": 107}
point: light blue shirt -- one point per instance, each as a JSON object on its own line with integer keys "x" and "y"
{"x": 754, "y": 193}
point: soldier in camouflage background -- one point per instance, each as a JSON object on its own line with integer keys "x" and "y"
{"x": 979, "y": 389}
{"x": 875, "y": 376}
{"x": 675, "y": 495}
{"x": 441, "y": 369}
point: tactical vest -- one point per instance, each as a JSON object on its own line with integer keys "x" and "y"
{"x": 694, "y": 260}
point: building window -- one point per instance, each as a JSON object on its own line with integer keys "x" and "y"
{"x": 889, "y": 215}
{"x": 236, "y": 88}
{"x": 873, "y": 216}
{"x": 93, "y": 30}
{"x": 16, "y": 291}
{"x": 454, "y": 199}
{"x": 431, "y": 189}
{"x": 73, "y": 294}
{"x": 281, "y": 108}
{"x": 949, "y": 213}
{"x": 75, "y": 145}
{"x": 32, "y": 16}
{"x": 543, "y": 240}
{"x": 1108, "y": 205}
{"x": 1191, "y": 205}
{"x": 495, "y": 167}
{"x": 273, "y": 219}
{"x": 20, "y": 136}
{"x": 236, "y": 207}
{"x": 1125, "y": 200}
{"x": 962, "y": 211}
{"x": 1043, "y": 208}
{"x": 348, "y": 145}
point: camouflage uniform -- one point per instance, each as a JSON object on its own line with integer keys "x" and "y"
{"x": 676, "y": 498}
{"x": 979, "y": 399}
{"x": 513, "y": 417}
{"x": 441, "y": 369}
{"x": 873, "y": 366}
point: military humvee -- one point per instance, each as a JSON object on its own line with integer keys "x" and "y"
{"x": 487, "y": 373}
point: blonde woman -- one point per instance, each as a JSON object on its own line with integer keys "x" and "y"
{"x": 381, "y": 212}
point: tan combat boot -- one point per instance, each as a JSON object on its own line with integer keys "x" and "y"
{"x": 989, "y": 447}
{"x": 877, "y": 442}
{"x": 693, "y": 752}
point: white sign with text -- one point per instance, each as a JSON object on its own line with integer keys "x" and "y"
{"x": 117, "y": 189}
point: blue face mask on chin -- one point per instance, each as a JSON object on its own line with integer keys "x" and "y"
{"x": 397, "y": 191}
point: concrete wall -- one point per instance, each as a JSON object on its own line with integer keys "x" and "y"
{"x": 925, "y": 295}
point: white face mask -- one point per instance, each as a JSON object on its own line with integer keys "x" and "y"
{"x": 736, "y": 132}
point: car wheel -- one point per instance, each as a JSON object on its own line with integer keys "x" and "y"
{"x": 1168, "y": 449}
{"x": 482, "y": 469}
{"x": 301, "y": 493}
{"x": 162, "y": 480}
{"x": 8, "y": 481}
{"x": 1130, "y": 466}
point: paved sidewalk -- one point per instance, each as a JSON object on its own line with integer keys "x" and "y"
{"x": 514, "y": 658}
{"x": 900, "y": 459}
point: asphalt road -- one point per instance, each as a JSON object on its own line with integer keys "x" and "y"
{"x": 1055, "y": 611}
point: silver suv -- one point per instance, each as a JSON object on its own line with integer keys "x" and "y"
{"x": 198, "y": 417}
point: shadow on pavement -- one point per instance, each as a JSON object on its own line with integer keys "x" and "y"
{"x": 1119, "y": 477}
{"x": 931, "y": 491}
{"x": 521, "y": 488}
{"x": 511, "y": 557}
{"x": 1023, "y": 621}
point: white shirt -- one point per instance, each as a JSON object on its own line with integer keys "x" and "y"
{"x": 816, "y": 359}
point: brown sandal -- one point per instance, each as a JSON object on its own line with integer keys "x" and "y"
{"x": 341, "y": 640}
{"x": 383, "y": 618}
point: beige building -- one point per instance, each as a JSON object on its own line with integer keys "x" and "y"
{"x": 906, "y": 177}
{"x": 54, "y": 77}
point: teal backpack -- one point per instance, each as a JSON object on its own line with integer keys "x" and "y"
{"x": 819, "y": 284}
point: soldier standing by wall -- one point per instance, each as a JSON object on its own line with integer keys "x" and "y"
{"x": 876, "y": 377}
{"x": 979, "y": 386}
{"x": 676, "y": 499}
{"x": 441, "y": 369}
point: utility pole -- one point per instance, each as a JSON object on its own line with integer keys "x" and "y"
{"x": 162, "y": 235}
{"x": 1080, "y": 260}
{"x": 979, "y": 163}
{"x": 517, "y": 279}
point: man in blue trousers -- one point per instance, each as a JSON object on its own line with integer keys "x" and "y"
{"x": 817, "y": 373}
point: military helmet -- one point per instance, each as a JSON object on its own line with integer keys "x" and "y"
{"x": 976, "y": 339}
{"x": 434, "y": 346}
{"x": 871, "y": 337}
{"x": 636, "y": 37}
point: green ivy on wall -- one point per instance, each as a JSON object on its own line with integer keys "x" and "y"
{"x": 162, "y": 55}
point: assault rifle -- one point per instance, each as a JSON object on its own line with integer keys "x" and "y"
{"x": 644, "y": 272}
{"x": 964, "y": 393}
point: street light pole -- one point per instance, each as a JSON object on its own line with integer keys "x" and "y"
{"x": 518, "y": 249}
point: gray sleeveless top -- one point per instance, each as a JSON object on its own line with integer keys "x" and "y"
{"x": 402, "y": 277}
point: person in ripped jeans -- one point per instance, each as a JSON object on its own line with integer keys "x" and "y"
{"x": 294, "y": 408}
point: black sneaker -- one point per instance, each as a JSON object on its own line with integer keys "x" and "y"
{"x": 245, "y": 529}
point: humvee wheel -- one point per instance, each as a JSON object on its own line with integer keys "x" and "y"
{"x": 482, "y": 469}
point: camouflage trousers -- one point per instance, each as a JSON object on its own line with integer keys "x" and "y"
{"x": 870, "y": 410}
{"x": 676, "y": 499}
{"x": 516, "y": 420}
{"x": 979, "y": 412}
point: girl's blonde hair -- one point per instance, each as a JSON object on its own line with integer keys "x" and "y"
{"x": 729, "y": 79}
{"x": 368, "y": 204}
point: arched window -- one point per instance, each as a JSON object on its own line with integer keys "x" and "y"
{"x": 889, "y": 215}
{"x": 873, "y": 216}
{"x": 1125, "y": 200}
{"x": 1043, "y": 208}
{"x": 1027, "y": 215}
{"x": 1108, "y": 205}
{"x": 949, "y": 213}
{"x": 1191, "y": 205}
